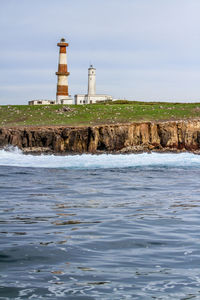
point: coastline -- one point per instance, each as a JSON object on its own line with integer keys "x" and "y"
{"x": 135, "y": 137}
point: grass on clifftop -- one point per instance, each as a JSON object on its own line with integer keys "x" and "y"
{"x": 95, "y": 114}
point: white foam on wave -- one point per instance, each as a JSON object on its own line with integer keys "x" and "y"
{"x": 15, "y": 157}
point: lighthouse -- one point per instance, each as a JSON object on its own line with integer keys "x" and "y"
{"x": 91, "y": 96}
{"x": 62, "y": 95}
{"x": 91, "y": 81}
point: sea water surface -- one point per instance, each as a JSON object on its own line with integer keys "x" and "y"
{"x": 99, "y": 226}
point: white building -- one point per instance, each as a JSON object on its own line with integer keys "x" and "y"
{"x": 91, "y": 96}
{"x": 50, "y": 102}
{"x": 41, "y": 102}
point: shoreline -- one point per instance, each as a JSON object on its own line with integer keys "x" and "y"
{"x": 135, "y": 137}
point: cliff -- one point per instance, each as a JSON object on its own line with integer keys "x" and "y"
{"x": 134, "y": 137}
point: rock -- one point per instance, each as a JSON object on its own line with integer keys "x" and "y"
{"x": 117, "y": 138}
{"x": 65, "y": 109}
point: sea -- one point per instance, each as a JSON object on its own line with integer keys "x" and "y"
{"x": 99, "y": 226}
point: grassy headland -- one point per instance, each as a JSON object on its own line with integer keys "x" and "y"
{"x": 95, "y": 114}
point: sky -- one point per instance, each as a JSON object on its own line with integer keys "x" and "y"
{"x": 146, "y": 50}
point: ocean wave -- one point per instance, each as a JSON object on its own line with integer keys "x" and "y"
{"x": 14, "y": 157}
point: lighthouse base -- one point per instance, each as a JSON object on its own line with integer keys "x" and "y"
{"x": 90, "y": 99}
{"x": 64, "y": 100}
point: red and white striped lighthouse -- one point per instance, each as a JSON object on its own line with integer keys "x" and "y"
{"x": 62, "y": 85}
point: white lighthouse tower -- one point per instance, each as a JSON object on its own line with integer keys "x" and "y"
{"x": 91, "y": 96}
{"x": 91, "y": 81}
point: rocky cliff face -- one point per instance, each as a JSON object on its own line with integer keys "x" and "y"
{"x": 135, "y": 137}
